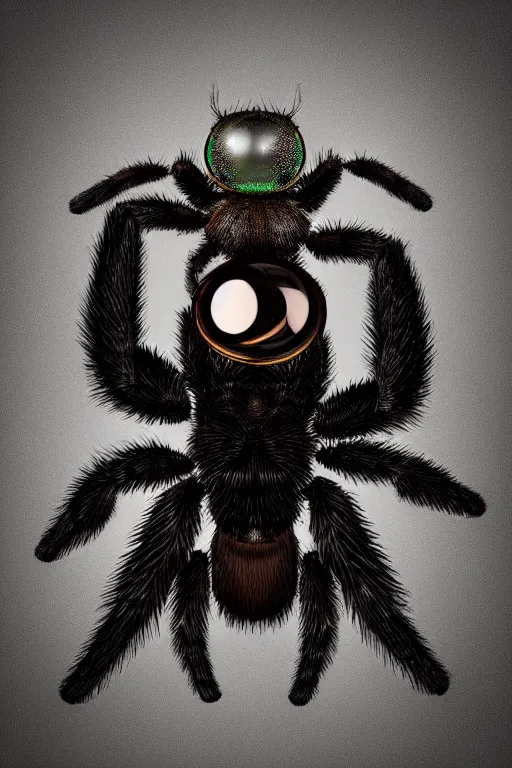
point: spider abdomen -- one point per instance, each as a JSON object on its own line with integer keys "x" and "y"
{"x": 254, "y": 581}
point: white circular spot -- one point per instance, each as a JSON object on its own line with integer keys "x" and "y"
{"x": 239, "y": 142}
{"x": 234, "y": 306}
{"x": 297, "y": 307}
{"x": 265, "y": 143}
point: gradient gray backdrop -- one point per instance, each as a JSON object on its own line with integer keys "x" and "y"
{"x": 423, "y": 87}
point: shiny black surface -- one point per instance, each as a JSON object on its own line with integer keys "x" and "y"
{"x": 255, "y": 152}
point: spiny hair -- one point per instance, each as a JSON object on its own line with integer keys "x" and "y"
{"x": 250, "y": 107}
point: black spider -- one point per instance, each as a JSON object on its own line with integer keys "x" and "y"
{"x": 255, "y": 372}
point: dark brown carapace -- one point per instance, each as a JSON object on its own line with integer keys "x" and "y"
{"x": 244, "y": 227}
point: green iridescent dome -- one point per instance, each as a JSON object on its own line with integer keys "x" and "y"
{"x": 255, "y": 152}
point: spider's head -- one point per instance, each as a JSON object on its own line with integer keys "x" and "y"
{"x": 255, "y": 151}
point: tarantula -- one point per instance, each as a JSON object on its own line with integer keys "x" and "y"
{"x": 255, "y": 367}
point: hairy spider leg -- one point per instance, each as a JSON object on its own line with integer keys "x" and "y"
{"x": 196, "y": 262}
{"x": 125, "y": 373}
{"x": 372, "y": 595}
{"x": 312, "y": 190}
{"x": 189, "y": 612}
{"x": 91, "y": 499}
{"x": 160, "y": 213}
{"x": 318, "y": 627}
{"x": 190, "y": 180}
{"x": 414, "y": 478}
{"x": 132, "y": 176}
{"x": 394, "y": 183}
{"x": 399, "y": 349}
{"x": 139, "y": 589}
{"x": 197, "y": 187}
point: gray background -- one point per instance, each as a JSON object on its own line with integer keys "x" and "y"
{"x": 424, "y": 88}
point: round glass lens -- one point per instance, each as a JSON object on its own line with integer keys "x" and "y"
{"x": 255, "y": 152}
{"x": 259, "y": 313}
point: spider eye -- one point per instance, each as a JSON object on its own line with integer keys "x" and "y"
{"x": 259, "y": 313}
{"x": 255, "y": 152}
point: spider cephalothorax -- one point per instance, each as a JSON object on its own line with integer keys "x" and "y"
{"x": 276, "y": 224}
{"x": 255, "y": 366}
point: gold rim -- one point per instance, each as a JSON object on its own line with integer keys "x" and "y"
{"x": 240, "y": 358}
{"x": 268, "y": 334}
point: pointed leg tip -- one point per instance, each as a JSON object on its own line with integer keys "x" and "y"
{"x": 300, "y": 697}
{"x": 209, "y": 694}
{"x": 425, "y": 204}
{"x": 73, "y": 692}
{"x": 441, "y": 685}
{"x": 69, "y": 696}
{"x": 75, "y": 206}
{"x": 74, "y": 697}
{"x": 43, "y": 553}
{"x": 471, "y": 504}
{"x": 478, "y": 506}
{"x": 69, "y": 700}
